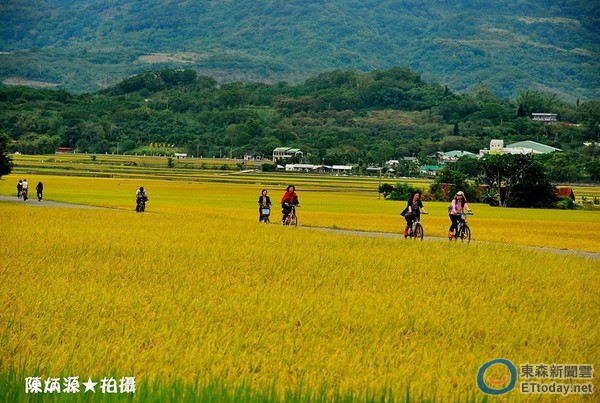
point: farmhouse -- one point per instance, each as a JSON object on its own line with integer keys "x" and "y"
{"x": 282, "y": 153}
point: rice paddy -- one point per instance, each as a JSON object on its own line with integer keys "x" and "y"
{"x": 195, "y": 298}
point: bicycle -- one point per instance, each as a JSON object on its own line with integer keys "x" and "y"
{"x": 462, "y": 229}
{"x": 291, "y": 218}
{"x": 141, "y": 204}
{"x": 265, "y": 212}
{"x": 416, "y": 230}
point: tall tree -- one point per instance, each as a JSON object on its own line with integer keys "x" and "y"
{"x": 519, "y": 173}
{"x": 6, "y": 163}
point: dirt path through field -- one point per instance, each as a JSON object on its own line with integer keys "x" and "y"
{"x": 368, "y": 234}
{"x": 34, "y": 202}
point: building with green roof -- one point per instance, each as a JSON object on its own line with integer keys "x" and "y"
{"x": 537, "y": 148}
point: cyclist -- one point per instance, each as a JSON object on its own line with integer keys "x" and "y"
{"x": 458, "y": 205}
{"x": 413, "y": 211}
{"x": 140, "y": 195}
{"x": 290, "y": 197}
{"x": 39, "y": 189}
{"x": 264, "y": 202}
{"x": 24, "y": 189}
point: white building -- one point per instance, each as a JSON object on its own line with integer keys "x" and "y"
{"x": 521, "y": 147}
{"x": 282, "y": 153}
{"x": 252, "y": 157}
{"x": 299, "y": 167}
{"x": 341, "y": 169}
{"x": 544, "y": 117}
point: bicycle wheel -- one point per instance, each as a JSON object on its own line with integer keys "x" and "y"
{"x": 294, "y": 220}
{"x": 418, "y": 233}
{"x": 466, "y": 234}
{"x": 458, "y": 232}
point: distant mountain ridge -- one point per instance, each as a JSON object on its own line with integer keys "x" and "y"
{"x": 509, "y": 46}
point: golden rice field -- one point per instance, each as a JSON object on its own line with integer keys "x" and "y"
{"x": 326, "y": 202}
{"x": 196, "y": 291}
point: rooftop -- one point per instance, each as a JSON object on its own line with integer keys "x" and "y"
{"x": 458, "y": 154}
{"x": 536, "y": 147}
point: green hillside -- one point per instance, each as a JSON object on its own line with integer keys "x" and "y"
{"x": 553, "y": 46}
{"x": 336, "y": 117}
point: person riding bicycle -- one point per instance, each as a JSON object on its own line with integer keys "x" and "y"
{"x": 264, "y": 202}
{"x": 140, "y": 195}
{"x": 289, "y": 198}
{"x": 25, "y": 189}
{"x": 39, "y": 189}
{"x": 458, "y": 205}
{"x": 413, "y": 211}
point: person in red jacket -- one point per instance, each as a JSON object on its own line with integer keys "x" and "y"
{"x": 290, "y": 197}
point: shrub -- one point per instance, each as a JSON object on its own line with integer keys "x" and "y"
{"x": 566, "y": 203}
{"x": 402, "y": 191}
{"x": 268, "y": 167}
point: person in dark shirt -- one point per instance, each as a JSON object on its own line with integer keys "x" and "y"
{"x": 413, "y": 211}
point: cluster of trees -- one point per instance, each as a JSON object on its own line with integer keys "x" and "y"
{"x": 503, "y": 180}
{"x": 559, "y": 167}
{"x": 342, "y": 116}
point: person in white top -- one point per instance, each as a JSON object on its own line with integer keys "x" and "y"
{"x": 141, "y": 197}
{"x": 25, "y": 189}
{"x": 459, "y": 204}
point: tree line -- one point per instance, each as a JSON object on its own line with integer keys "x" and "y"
{"x": 342, "y": 116}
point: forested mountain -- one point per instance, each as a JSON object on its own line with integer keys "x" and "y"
{"x": 509, "y": 45}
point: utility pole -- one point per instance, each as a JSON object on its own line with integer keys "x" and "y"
{"x": 380, "y": 171}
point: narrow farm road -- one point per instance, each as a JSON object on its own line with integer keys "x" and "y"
{"x": 47, "y": 203}
{"x": 369, "y": 234}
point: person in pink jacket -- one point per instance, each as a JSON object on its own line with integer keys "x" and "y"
{"x": 459, "y": 204}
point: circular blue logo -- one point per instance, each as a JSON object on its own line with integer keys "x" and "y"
{"x": 484, "y": 386}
